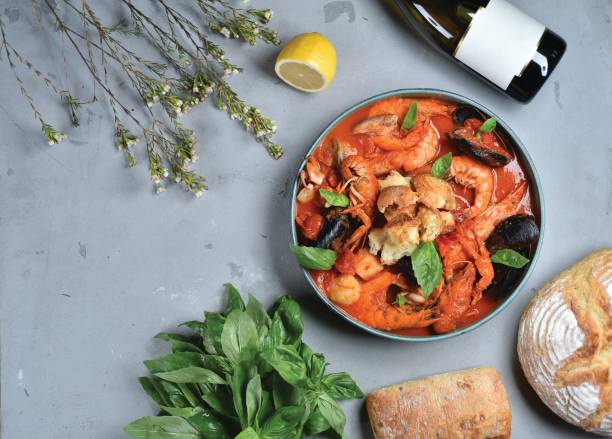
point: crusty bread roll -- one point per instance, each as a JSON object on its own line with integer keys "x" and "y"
{"x": 565, "y": 343}
{"x": 467, "y": 404}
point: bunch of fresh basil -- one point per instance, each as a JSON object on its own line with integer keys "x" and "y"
{"x": 244, "y": 373}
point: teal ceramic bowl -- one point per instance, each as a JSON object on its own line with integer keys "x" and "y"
{"x": 530, "y": 173}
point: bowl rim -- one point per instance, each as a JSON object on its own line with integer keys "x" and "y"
{"x": 436, "y": 93}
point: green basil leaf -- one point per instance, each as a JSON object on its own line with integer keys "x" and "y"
{"x": 253, "y": 399}
{"x": 442, "y": 165}
{"x": 161, "y": 427}
{"x": 178, "y": 360}
{"x": 239, "y": 332}
{"x": 282, "y": 392}
{"x": 341, "y": 386}
{"x": 509, "y": 258}
{"x": 288, "y": 310}
{"x": 243, "y": 373}
{"x": 427, "y": 267}
{"x": 183, "y": 412}
{"x": 258, "y": 313}
{"x": 211, "y": 339}
{"x": 314, "y": 258}
{"x": 316, "y": 423}
{"x": 234, "y": 300}
{"x": 332, "y": 412}
{"x": 334, "y": 198}
{"x": 196, "y": 326}
{"x": 266, "y": 408}
{"x": 288, "y": 363}
{"x": 283, "y": 424}
{"x": 221, "y": 403}
{"x": 410, "y": 119}
{"x": 488, "y": 125}
{"x": 316, "y": 367}
{"x": 178, "y": 343}
{"x": 208, "y": 425}
{"x": 217, "y": 364}
{"x": 400, "y": 300}
{"x": 174, "y": 392}
{"x": 155, "y": 392}
{"x": 306, "y": 353}
{"x": 191, "y": 375}
{"x": 249, "y": 433}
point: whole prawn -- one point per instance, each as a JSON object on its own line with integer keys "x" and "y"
{"x": 474, "y": 175}
{"x": 455, "y": 300}
{"x": 373, "y": 309}
{"x": 363, "y": 193}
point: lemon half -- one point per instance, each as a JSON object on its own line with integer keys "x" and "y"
{"x": 307, "y": 62}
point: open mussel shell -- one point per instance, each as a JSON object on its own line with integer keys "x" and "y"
{"x": 519, "y": 233}
{"x": 468, "y": 142}
{"x": 335, "y": 227}
{"x": 465, "y": 112}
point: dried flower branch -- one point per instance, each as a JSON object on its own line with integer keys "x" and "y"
{"x": 190, "y": 69}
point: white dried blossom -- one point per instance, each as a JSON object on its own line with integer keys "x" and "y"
{"x": 198, "y": 193}
{"x": 225, "y": 32}
{"x": 159, "y": 189}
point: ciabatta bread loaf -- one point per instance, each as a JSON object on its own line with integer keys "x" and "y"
{"x": 565, "y": 343}
{"x": 459, "y": 405}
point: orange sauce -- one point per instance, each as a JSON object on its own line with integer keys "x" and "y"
{"x": 506, "y": 179}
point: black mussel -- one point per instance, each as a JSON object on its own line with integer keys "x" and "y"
{"x": 517, "y": 232}
{"x": 464, "y": 112}
{"x": 494, "y": 155}
{"x": 334, "y": 228}
{"x": 405, "y": 268}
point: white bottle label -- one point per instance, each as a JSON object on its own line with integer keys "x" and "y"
{"x": 500, "y": 42}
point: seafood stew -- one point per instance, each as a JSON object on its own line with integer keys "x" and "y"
{"x": 416, "y": 215}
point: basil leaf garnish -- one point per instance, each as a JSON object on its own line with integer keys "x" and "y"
{"x": 400, "y": 300}
{"x": 441, "y": 166}
{"x": 509, "y": 258}
{"x": 314, "y": 258}
{"x": 488, "y": 125}
{"x": 334, "y": 198}
{"x": 427, "y": 267}
{"x": 411, "y": 117}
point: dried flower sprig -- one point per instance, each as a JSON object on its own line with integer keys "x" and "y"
{"x": 191, "y": 68}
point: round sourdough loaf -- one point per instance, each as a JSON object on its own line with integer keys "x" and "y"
{"x": 565, "y": 343}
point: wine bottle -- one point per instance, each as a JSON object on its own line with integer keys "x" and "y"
{"x": 492, "y": 38}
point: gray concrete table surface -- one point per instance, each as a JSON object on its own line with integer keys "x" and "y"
{"x": 92, "y": 264}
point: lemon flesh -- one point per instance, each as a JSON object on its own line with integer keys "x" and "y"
{"x": 307, "y": 62}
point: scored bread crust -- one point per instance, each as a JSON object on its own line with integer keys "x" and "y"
{"x": 471, "y": 403}
{"x": 565, "y": 343}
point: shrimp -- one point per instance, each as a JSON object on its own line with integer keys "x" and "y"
{"x": 455, "y": 300}
{"x": 409, "y": 159}
{"x": 384, "y": 119}
{"x": 377, "y": 126}
{"x": 483, "y": 224}
{"x": 373, "y": 309}
{"x": 471, "y": 174}
{"x": 363, "y": 193}
{"x": 466, "y": 243}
